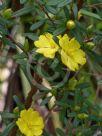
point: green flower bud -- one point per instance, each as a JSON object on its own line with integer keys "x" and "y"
{"x": 99, "y": 26}
{"x": 77, "y": 108}
{"x": 72, "y": 83}
{"x": 26, "y": 45}
{"x": 7, "y": 13}
{"x": 16, "y": 110}
{"x": 79, "y": 134}
{"x": 82, "y": 116}
{"x": 71, "y": 24}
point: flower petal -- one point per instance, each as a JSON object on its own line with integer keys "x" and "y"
{"x": 68, "y": 61}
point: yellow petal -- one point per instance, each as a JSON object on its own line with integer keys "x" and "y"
{"x": 47, "y": 52}
{"x": 42, "y": 42}
{"x": 74, "y": 44}
{"x": 64, "y": 42}
{"x": 79, "y": 57}
{"x": 68, "y": 61}
{"x": 32, "y": 125}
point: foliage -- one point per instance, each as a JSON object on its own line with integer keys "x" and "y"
{"x": 66, "y": 95}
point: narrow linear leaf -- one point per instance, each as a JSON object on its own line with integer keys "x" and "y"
{"x": 37, "y": 25}
{"x": 53, "y": 2}
{"x": 51, "y": 10}
{"x": 7, "y": 115}
{"x": 31, "y": 36}
{"x": 60, "y": 132}
{"x": 64, "y": 3}
{"x": 90, "y": 14}
{"x": 23, "y": 11}
{"x": 59, "y": 31}
{"x": 8, "y": 129}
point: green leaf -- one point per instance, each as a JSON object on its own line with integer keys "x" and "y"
{"x": 31, "y": 36}
{"x": 53, "y": 2}
{"x": 51, "y": 10}
{"x": 46, "y": 100}
{"x": 3, "y": 29}
{"x": 90, "y": 14}
{"x": 20, "y": 56}
{"x": 8, "y": 115}
{"x": 64, "y": 3}
{"x": 83, "y": 85}
{"x": 23, "y": 11}
{"x": 75, "y": 10}
{"x": 59, "y": 31}
{"x": 26, "y": 45}
{"x": 23, "y": 1}
{"x": 46, "y": 133}
{"x": 37, "y": 25}
{"x": 60, "y": 132}
{"x": 62, "y": 104}
{"x": 8, "y": 129}
{"x": 66, "y": 11}
{"x": 7, "y": 42}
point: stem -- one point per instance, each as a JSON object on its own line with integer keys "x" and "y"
{"x": 17, "y": 44}
{"x": 43, "y": 9}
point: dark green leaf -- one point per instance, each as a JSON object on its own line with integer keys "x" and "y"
{"x": 59, "y": 31}
{"x": 20, "y": 56}
{"x": 23, "y": 11}
{"x": 60, "y": 132}
{"x": 83, "y": 85}
{"x": 8, "y": 129}
{"x": 64, "y": 3}
{"x": 53, "y": 2}
{"x": 90, "y": 14}
{"x": 7, "y": 115}
{"x": 31, "y": 36}
{"x": 7, "y": 42}
{"x": 37, "y": 25}
{"x": 3, "y": 30}
{"x": 51, "y": 9}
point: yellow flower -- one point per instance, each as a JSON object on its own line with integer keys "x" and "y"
{"x": 46, "y": 45}
{"x": 30, "y": 123}
{"x": 71, "y": 54}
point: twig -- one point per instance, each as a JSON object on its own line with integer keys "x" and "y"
{"x": 88, "y": 40}
{"x": 17, "y": 44}
{"x": 43, "y": 9}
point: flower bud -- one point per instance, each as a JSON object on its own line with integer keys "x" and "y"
{"x": 82, "y": 116}
{"x": 70, "y": 24}
{"x": 7, "y": 13}
{"x": 16, "y": 110}
{"x": 79, "y": 134}
{"x": 77, "y": 108}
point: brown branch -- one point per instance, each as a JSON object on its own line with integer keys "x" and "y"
{"x": 14, "y": 131}
{"x": 34, "y": 89}
{"x": 80, "y": 3}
